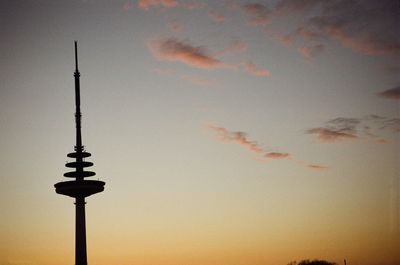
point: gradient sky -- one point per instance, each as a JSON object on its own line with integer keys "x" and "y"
{"x": 227, "y": 132}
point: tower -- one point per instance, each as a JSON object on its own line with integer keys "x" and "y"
{"x": 80, "y": 188}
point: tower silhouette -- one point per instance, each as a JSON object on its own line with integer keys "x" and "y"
{"x": 79, "y": 188}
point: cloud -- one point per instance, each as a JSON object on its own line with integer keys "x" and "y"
{"x": 368, "y": 128}
{"x": 344, "y": 124}
{"x": 337, "y": 129}
{"x": 175, "y": 50}
{"x": 276, "y": 155}
{"x": 258, "y": 14}
{"x": 241, "y": 138}
{"x": 393, "y": 93}
{"x": 216, "y": 16}
{"x": 147, "y": 4}
{"x": 253, "y": 69}
{"x": 310, "y": 52}
{"x": 237, "y": 137}
{"x": 326, "y": 135}
{"x": 367, "y": 26}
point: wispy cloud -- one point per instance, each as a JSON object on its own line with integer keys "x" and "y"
{"x": 257, "y": 14}
{"x": 338, "y": 129}
{"x": 368, "y": 128}
{"x": 327, "y": 135}
{"x": 182, "y": 51}
{"x": 365, "y": 26}
{"x": 276, "y": 155}
{"x": 147, "y": 4}
{"x": 242, "y": 139}
{"x": 393, "y": 93}
{"x": 253, "y": 69}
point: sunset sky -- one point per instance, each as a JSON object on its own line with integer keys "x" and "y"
{"x": 227, "y": 132}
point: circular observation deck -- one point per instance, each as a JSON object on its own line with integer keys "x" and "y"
{"x": 81, "y": 188}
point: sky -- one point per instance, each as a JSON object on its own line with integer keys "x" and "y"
{"x": 227, "y": 132}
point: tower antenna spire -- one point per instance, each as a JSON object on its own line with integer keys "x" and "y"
{"x": 78, "y": 114}
{"x": 76, "y": 56}
{"x": 79, "y": 188}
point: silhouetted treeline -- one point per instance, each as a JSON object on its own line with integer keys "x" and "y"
{"x": 312, "y": 262}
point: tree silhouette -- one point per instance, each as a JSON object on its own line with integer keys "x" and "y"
{"x": 312, "y": 262}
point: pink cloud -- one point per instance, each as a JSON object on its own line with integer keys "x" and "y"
{"x": 241, "y": 138}
{"x": 327, "y": 135}
{"x": 276, "y": 155}
{"x": 147, "y": 4}
{"x": 310, "y": 52}
{"x": 216, "y": 16}
{"x": 393, "y": 93}
{"x": 175, "y": 50}
{"x": 237, "y": 137}
{"x": 258, "y": 14}
{"x": 253, "y": 69}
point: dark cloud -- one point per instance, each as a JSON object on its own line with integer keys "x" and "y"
{"x": 369, "y": 127}
{"x": 367, "y": 26}
{"x": 393, "y": 93}
{"x": 327, "y": 135}
{"x": 344, "y": 124}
